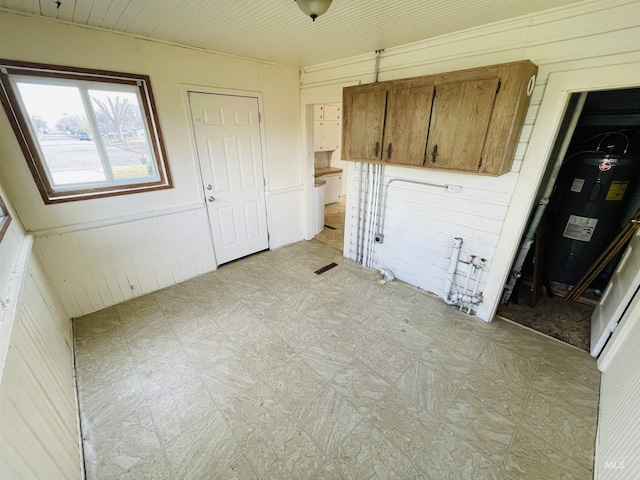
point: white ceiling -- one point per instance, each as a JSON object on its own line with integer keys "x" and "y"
{"x": 277, "y": 31}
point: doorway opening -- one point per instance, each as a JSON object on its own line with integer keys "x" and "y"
{"x": 591, "y": 184}
{"x": 329, "y": 174}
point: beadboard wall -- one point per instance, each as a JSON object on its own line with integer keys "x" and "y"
{"x": 99, "y": 266}
{"x": 617, "y": 445}
{"x": 421, "y": 223}
{"x": 39, "y": 434}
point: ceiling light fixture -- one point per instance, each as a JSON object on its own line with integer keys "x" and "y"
{"x": 313, "y": 8}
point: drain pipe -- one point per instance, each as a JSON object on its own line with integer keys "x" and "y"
{"x": 451, "y": 271}
{"x": 377, "y": 67}
{"x": 477, "y": 299}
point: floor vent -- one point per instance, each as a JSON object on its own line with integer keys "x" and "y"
{"x": 325, "y": 268}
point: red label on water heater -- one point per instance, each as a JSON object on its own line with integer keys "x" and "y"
{"x": 605, "y": 166}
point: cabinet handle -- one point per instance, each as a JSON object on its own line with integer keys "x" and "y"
{"x": 376, "y": 149}
{"x": 389, "y": 150}
{"x": 434, "y": 153}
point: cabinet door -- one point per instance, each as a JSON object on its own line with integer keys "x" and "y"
{"x": 331, "y": 112}
{"x": 407, "y": 125}
{"x": 363, "y": 124}
{"x": 459, "y": 121}
{"x": 331, "y": 135}
{"x": 318, "y": 134}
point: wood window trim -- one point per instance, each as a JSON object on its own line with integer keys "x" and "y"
{"x": 5, "y": 219}
{"x": 31, "y": 153}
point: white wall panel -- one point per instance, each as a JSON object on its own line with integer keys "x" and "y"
{"x": 617, "y": 446}
{"x": 105, "y": 265}
{"x": 285, "y": 216}
{"x": 417, "y": 228}
{"x": 39, "y": 435}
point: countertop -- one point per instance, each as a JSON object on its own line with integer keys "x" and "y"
{"x": 326, "y": 171}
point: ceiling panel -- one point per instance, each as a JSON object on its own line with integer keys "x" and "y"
{"x": 277, "y": 31}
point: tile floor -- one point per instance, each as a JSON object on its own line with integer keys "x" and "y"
{"x": 334, "y": 217}
{"x": 264, "y": 370}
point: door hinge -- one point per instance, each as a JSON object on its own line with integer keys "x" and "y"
{"x": 259, "y": 117}
{"x": 498, "y": 87}
{"x": 434, "y": 94}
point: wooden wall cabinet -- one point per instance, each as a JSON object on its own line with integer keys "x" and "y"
{"x": 467, "y": 121}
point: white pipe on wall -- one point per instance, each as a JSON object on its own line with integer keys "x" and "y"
{"x": 451, "y": 271}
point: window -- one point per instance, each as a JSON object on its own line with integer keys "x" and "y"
{"x": 84, "y": 133}
{"x": 5, "y": 219}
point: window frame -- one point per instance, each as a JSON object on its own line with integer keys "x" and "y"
{"x": 5, "y": 219}
{"x": 31, "y": 147}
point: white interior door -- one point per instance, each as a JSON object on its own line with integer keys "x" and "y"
{"x": 227, "y": 134}
{"x": 621, "y": 288}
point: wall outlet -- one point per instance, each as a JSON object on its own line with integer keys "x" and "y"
{"x": 379, "y": 238}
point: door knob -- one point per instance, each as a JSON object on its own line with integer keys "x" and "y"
{"x": 211, "y": 198}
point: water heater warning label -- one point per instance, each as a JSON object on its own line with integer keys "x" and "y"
{"x": 616, "y": 191}
{"x": 580, "y": 228}
{"x": 577, "y": 185}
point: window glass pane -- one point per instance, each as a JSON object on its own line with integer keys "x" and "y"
{"x": 60, "y": 123}
{"x": 123, "y": 132}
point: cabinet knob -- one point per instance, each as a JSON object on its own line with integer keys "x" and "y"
{"x": 376, "y": 149}
{"x": 434, "y": 153}
{"x": 389, "y": 150}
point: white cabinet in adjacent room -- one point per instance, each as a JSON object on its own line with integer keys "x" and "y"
{"x": 333, "y": 188}
{"x": 326, "y": 127}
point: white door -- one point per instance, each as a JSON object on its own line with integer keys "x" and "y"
{"x": 227, "y": 135}
{"x": 621, "y": 288}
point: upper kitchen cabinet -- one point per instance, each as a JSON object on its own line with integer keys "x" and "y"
{"x": 387, "y": 122}
{"x": 363, "y": 112}
{"x": 467, "y": 121}
{"x": 459, "y": 124}
{"x": 407, "y": 123}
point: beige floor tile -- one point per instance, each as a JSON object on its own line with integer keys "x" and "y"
{"x": 533, "y": 457}
{"x": 572, "y": 364}
{"x": 294, "y": 382}
{"x": 210, "y": 447}
{"x": 406, "y": 425}
{"x": 487, "y": 430}
{"x": 366, "y": 453}
{"x": 176, "y": 396}
{"x": 430, "y": 389}
{"x": 120, "y": 429}
{"x": 519, "y": 339}
{"x": 496, "y": 392}
{"x": 441, "y": 357}
{"x": 328, "y": 417}
{"x": 154, "y": 467}
{"x": 253, "y": 412}
{"x": 360, "y": 385}
{"x": 383, "y": 357}
{"x": 328, "y": 471}
{"x": 408, "y": 338}
{"x": 326, "y": 358}
{"x": 447, "y": 457}
{"x": 287, "y": 453}
{"x": 562, "y": 427}
{"x": 517, "y": 368}
{"x": 240, "y": 469}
